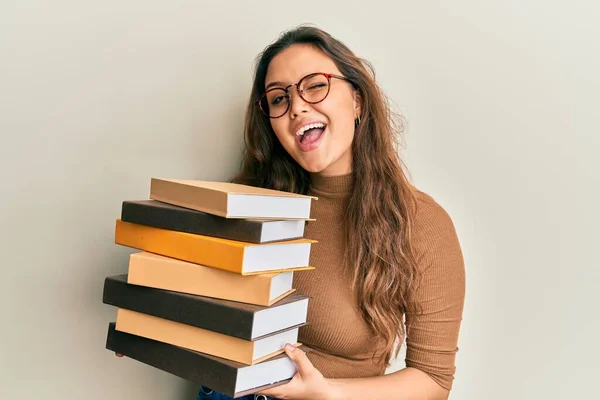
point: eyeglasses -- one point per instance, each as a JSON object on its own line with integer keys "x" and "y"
{"x": 313, "y": 89}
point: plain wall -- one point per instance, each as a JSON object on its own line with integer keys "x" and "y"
{"x": 501, "y": 102}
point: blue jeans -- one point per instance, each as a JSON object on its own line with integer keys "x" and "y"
{"x": 205, "y": 393}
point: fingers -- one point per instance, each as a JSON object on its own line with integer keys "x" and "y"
{"x": 118, "y": 354}
{"x": 267, "y": 392}
{"x": 299, "y": 358}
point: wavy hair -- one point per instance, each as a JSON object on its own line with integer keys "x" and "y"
{"x": 379, "y": 215}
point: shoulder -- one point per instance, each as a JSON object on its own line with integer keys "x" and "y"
{"x": 429, "y": 215}
{"x": 433, "y": 230}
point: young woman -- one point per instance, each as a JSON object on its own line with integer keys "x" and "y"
{"x": 317, "y": 123}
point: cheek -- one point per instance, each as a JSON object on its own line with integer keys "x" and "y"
{"x": 341, "y": 117}
{"x": 280, "y": 127}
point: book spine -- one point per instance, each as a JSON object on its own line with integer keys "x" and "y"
{"x": 181, "y": 219}
{"x": 184, "y": 246}
{"x": 190, "y": 310}
{"x": 193, "y": 366}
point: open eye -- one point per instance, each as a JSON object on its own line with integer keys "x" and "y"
{"x": 276, "y": 97}
{"x": 277, "y": 100}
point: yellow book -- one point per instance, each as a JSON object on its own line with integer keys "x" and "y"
{"x": 239, "y": 257}
{"x": 247, "y": 352}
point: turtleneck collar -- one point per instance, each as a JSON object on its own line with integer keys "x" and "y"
{"x": 331, "y": 185}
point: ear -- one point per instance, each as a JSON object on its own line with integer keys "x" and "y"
{"x": 357, "y": 103}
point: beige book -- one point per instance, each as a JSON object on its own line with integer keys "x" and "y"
{"x": 161, "y": 272}
{"x": 231, "y": 200}
{"x": 202, "y": 340}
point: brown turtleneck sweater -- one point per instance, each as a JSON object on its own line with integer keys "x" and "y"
{"x": 342, "y": 344}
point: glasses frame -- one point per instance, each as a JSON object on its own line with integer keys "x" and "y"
{"x": 287, "y": 90}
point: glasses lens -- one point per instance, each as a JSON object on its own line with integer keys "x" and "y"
{"x": 314, "y": 88}
{"x": 275, "y": 102}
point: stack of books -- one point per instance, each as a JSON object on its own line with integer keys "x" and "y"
{"x": 209, "y": 296}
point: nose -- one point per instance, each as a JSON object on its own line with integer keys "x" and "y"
{"x": 297, "y": 103}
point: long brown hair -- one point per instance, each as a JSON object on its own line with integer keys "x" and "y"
{"x": 377, "y": 229}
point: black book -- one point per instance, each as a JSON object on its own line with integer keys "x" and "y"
{"x": 241, "y": 320}
{"x": 228, "y": 377}
{"x": 167, "y": 216}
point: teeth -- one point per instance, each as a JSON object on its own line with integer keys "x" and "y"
{"x": 302, "y": 130}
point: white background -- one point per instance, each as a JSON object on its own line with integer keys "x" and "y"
{"x": 501, "y": 100}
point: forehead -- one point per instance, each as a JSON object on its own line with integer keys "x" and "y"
{"x": 297, "y": 61}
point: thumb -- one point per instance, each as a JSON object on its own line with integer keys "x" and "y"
{"x": 299, "y": 358}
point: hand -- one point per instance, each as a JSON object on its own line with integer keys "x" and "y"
{"x": 118, "y": 354}
{"x": 308, "y": 383}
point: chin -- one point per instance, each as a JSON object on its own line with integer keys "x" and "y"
{"x": 315, "y": 170}
{"x": 313, "y": 167}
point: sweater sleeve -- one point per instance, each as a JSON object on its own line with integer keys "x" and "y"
{"x": 432, "y": 331}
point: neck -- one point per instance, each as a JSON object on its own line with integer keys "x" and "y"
{"x": 332, "y": 184}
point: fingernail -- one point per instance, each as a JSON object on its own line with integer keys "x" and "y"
{"x": 289, "y": 347}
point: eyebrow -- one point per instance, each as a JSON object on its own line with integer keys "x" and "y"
{"x": 274, "y": 84}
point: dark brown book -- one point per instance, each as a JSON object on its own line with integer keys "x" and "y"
{"x": 228, "y": 377}
{"x": 241, "y": 320}
{"x": 168, "y": 216}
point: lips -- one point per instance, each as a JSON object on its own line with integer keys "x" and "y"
{"x": 311, "y": 139}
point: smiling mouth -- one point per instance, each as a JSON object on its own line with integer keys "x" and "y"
{"x": 311, "y": 138}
